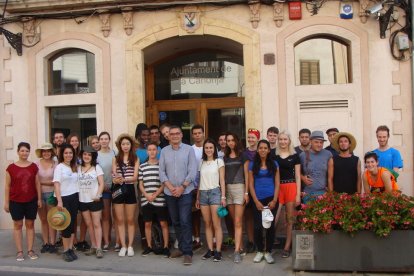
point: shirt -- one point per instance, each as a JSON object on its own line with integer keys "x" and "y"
{"x": 149, "y": 175}
{"x": 287, "y": 168}
{"x": 177, "y": 166}
{"x": 67, "y": 179}
{"x": 105, "y": 162}
{"x": 46, "y": 176}
{"x": 198, "y": 151}
{"x": 234, "y": 169}
{"x": 264, "y": 182}
{"x": 88, "y": 183}
{"x": 209, "y": 174}
{"x": 143, "y": 155}
{"x": 22, "y": 182}
{"x": 390, "y": 158}
{"x": 316, "y": 167}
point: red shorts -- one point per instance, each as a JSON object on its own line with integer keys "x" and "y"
{"x": 287, "y": 192}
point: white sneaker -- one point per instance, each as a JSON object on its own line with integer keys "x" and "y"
{"x": 268, "y": 257}
{"x": 130, "y": 251}
{"x": 176, "y": 244}
{"x": 122, "y": 252}
{"x": 258, "y": 258}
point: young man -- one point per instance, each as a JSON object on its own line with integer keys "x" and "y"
{"x": 58, "y": 141}
{"x": 178, "y": 169}
{"x": 142, "y": 136}
{"x": 388, "y": 157}
{"x": 153, "y": 199}
{"x": 331, "y": 132}
{"x": 155, "y": 136}
{"x": 347, "y": 167}
{"x": 316, "y": 168}
{"x": 222, "y": 144}
{"x": 304, "y": 140}
{"x": 197, "y": 133}
{"x": 271, "y": 136}
{"x": 377, "y": 179}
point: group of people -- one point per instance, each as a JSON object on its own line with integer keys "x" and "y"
{"x": 178, "y": 184}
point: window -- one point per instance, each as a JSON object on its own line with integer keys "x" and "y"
{"x": 77, "y": 119}
{"x": 322, "y": 60}
{"x": 72, "y": 71}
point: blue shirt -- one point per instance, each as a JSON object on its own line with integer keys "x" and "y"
{"x": 390, "y": 158}
{"x": 264, "y": 183}
{"x": 143, "y": 155}
{"x": 178, "y": 166}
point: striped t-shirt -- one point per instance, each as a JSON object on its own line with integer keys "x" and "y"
{"x": 149, "y": 174}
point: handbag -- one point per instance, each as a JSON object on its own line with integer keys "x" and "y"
{"x": 118, "y": 190}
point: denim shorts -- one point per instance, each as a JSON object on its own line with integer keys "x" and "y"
{"x": 45, "y": 196}
{"x": 210, "y": 197}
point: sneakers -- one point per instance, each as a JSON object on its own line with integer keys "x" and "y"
{"x": 105, "y": 248}
{"x": 197, "y": 245}
{"x": 32, "y": 255}
{"x": 242, "y": 252}
{"x": 117, "y": 248}
{"x": 147, "y": 251}
{"x": 208, "y": 255}
{"x": 237, "y": 258}
{"x": 176, "y": 254}
{"x": 258, "y": 258}
{"x": 285, "y": 254}
{"x": 20, "y": 256}
{"x": 72, "y": 253}
{"x": 82, "y": 246}
{"x": 90, "y": 252}
{"x": 59, "y": 242}
{"x": 45, "y": 248}
{"x": 122, "y": 252}
{"x": 67, "y": 256}
{"x": 52, "y": 248}
{"x": 250, "y": 247}
{"x": 99, "y": 253}
{"x": 188, "y": 260}
{"x": 166, "y": 252}
{"x": 131, "y": 252}
{"x": 268, "y": 257}
{"x": 217, "y": 256}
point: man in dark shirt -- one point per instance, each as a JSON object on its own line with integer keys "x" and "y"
{"x": 347, "y": 167}
{"x": 304, "y": 139}
{"x": 331, "y": 132}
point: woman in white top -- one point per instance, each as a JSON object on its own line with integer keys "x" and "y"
{"x": 210, "y": 196}
{"x": 91, "y": 185}
{"x": 46, "y": 166}
{"x": 65, "y": 179}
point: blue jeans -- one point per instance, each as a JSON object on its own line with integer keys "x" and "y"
{"x": 180, "y": 213}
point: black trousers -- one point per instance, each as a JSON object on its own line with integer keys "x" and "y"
{"x": 71, "y": 203}
{"x": 258, "y": 227}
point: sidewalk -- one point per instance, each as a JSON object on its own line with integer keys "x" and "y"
{"x": 111, "y": 264}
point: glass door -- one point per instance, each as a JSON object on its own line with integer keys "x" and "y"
{"x": 226, "y": 120}
{"x": 182, "y": 118}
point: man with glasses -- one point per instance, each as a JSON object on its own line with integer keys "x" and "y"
{"x": 178, "y": 169}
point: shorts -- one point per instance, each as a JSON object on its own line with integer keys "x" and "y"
{"x": 287, "y": 192}
{"x": 93, "y": 206}
{"x": 210, "y": 197}
{"x": 151, "y": 212}
{"x": 235, "y": 194}
{"x": 107, "y": 195}
{"x": 128, "y": 197}
{"x": 20, "y": 210}
{"x": 45, "y": 196}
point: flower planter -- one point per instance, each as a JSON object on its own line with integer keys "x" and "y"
{"x": 338, "y": 251}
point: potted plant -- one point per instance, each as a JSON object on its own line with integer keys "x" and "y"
{"x": 361, "y": 232}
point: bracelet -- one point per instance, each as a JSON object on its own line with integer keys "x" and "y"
{"x": 246, "y": 193}
{"x": 223, "y": 197}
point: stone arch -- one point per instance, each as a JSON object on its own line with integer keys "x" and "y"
{"x": 347, "y": 31}
{"x": 215, "y": 27}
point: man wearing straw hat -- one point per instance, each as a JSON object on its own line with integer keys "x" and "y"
{"x": 347, "y": 167}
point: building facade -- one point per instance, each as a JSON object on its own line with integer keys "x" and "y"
{"x": 228, "y": 65}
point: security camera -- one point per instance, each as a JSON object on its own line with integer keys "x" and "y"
{"x": 375, "y": 9}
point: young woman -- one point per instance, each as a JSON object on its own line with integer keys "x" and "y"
{"x": 125, "y": 173}
{"x": 65, "y": 179}
{"x": 93, "y": 141}
{"x": 91, "y": 185}
{"x": 22, "y": 197}
{"x": 289, "y": 195}
{"x": 210, "y": 196}
{"x": 237, "y": 190}
{"x": 46, "y": 166}
{"x": 264, "y": 188}
{"x": 377, "y": 179}
{"x": 153, "y": 202}
{"x": 105, "y": 156}
{"x": 74, "y": 140}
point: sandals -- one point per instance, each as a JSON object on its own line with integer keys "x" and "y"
{"x": 32, "y": 255}
{"x": 285, "y": 253}
{"x": 19, "y": 256}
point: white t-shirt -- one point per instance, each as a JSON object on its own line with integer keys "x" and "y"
{"x": 88, "y": 183}
{"x": 209, "y": 174}
{"x": 68, "y": 180}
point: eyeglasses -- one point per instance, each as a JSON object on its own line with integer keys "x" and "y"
{"x": 174, "y": 133}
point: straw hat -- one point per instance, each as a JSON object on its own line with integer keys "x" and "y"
{"x": 45, "y": 146}
{"x": 130, "y": 138}
{"x": 58, "y": 220}
{"x": 351, "y": 138}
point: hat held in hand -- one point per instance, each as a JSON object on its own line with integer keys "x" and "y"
{"x": 58, "y": 220}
